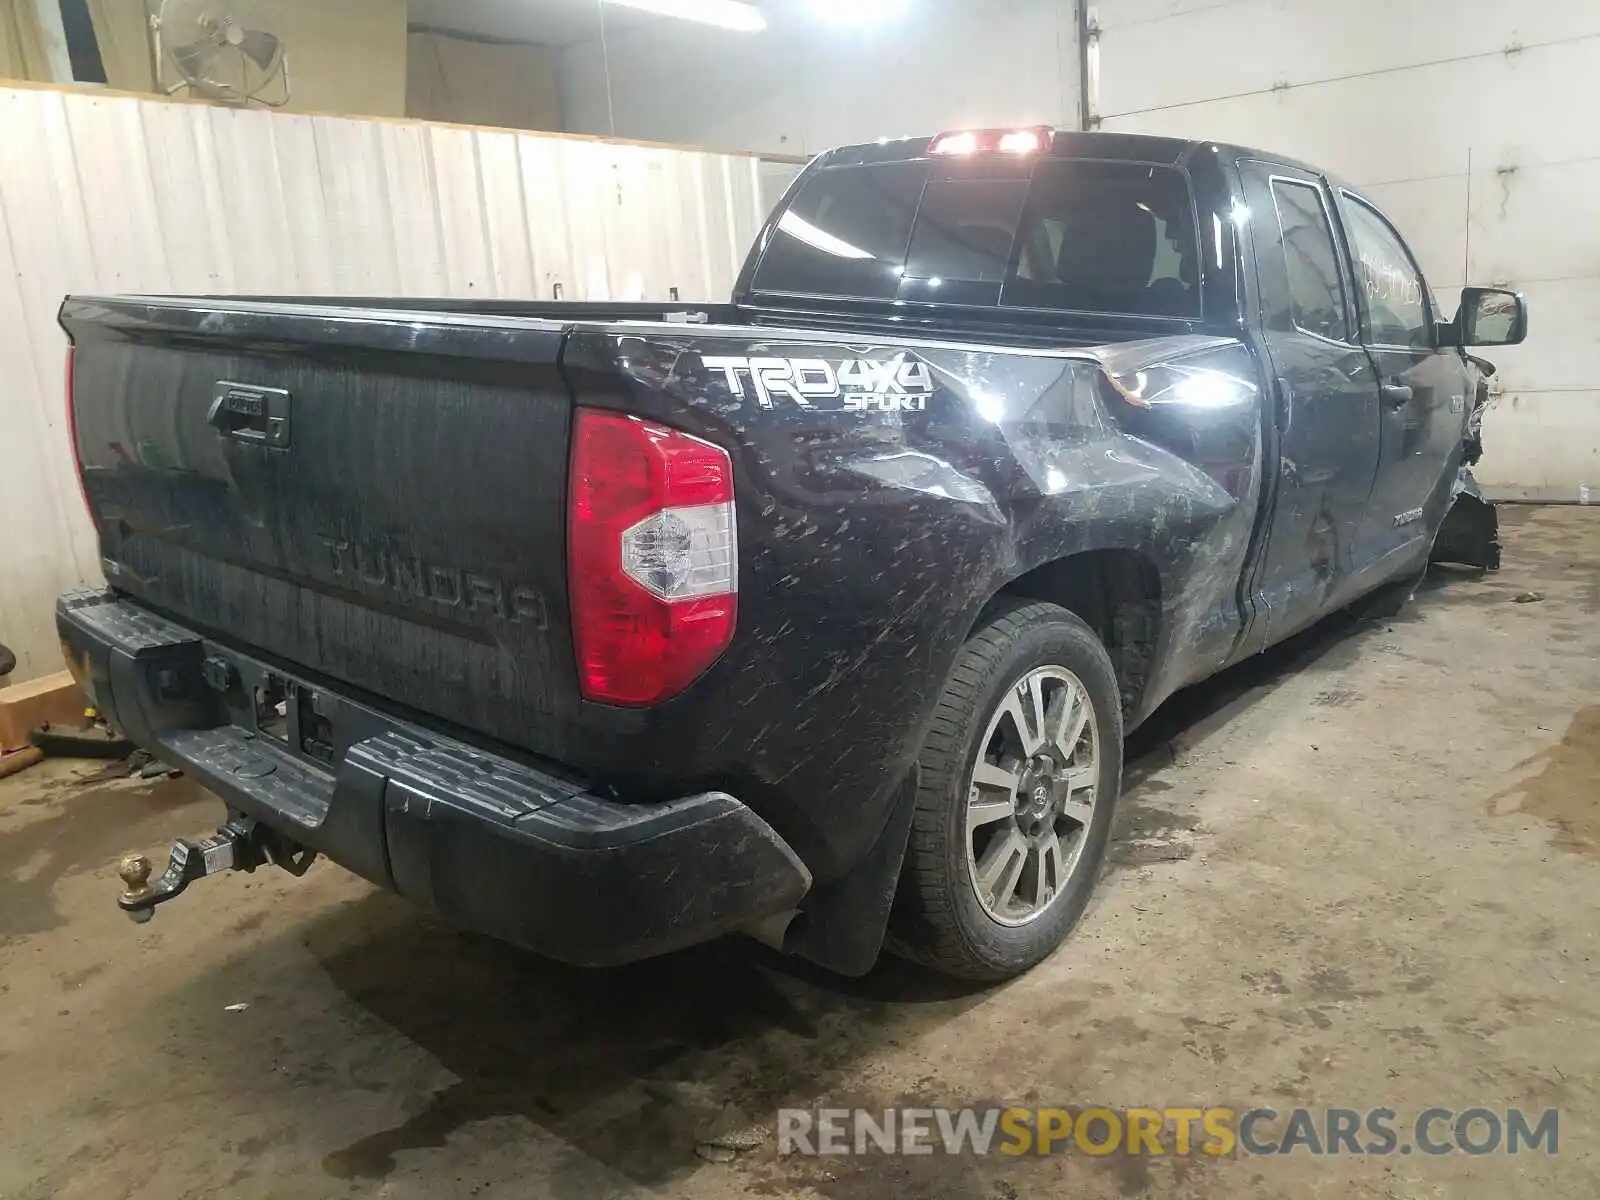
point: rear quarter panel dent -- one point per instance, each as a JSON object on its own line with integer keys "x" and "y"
{"x": 874, "y": 528}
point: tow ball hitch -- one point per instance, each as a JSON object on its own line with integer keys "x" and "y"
{"x": 240, "y": 845}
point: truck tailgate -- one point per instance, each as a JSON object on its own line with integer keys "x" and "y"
{"x": 376, "y": 496}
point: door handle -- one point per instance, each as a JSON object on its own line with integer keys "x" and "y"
{"x": 1395, "y": 394}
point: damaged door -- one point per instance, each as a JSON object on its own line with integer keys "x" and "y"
{"x": 1423, "y": 389}
{"x": 1326, "y": 401}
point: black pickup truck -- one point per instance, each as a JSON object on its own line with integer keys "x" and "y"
{"x": 819, "y": 615}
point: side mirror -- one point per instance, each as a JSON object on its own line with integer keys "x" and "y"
{"x": 1491, "y": 317}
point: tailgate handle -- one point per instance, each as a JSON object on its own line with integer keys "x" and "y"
{"x": 254, "y": 415}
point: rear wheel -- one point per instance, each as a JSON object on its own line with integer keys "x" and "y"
{"x": 1019, "y": 775}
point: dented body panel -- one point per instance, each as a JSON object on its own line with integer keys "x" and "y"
{"x": 873, "y": 539}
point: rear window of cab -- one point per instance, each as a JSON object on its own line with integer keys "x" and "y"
{"x": 1071, "y": 234}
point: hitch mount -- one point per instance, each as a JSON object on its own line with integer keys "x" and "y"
{"x": 240, "y": 845}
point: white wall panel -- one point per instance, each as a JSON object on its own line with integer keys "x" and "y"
{"x": 805, "y": 84}
{"x": 413, "y": 209}
{"x": 192, "y": 221}
{"x": 294, "y": 149}
{"x": 633, "y": 247}
{"x": 249, "y": 219}
{"x": 108, "y": 193}
{"x": 1258, "y": 45}
{"x": 454, "y": 162}
{"x": 1532, "y": 107}
{"x": 1550, "y": 437}
{"x": 350, "y": 178}
{"x": 1564, "y": 356}
{"x": 1536, "y": 223}
{"x": 554, "y": 256}
{"x": 1399, "y": 97}
{"x": 1138, "y": 12}
{"x": 586, "y": 226}
{"x": 505, "y": 216}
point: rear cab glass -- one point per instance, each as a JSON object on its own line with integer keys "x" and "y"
{"x": 846, "y": 232}
{"x": 1063, "y": 234}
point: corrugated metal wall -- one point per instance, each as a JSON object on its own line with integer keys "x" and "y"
{"x": 119, "y": 194}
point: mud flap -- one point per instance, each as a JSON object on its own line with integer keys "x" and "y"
{"x": 1470, "y": 535}
{"x": 842, "y": 926}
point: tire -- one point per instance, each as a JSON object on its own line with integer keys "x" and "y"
{"x": 946, "y": 918}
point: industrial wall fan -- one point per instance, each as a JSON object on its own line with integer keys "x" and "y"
{"x": 222, "y": 50}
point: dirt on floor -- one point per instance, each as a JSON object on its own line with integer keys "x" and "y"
{"x": 1362, "y": 872}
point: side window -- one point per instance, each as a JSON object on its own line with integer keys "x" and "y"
{"x": 1316, "y": 284}
{"x": 1393, "y": 295}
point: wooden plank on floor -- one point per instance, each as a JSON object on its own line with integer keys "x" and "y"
{"x": 24, "y": 707}
{"x": 19, "y": 760}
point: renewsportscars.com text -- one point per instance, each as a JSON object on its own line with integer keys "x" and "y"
{"x": 1178, "y": 1132}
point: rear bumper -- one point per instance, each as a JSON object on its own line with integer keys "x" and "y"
{"x": 495, "y": 844}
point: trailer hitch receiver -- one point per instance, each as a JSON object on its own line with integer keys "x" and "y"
{"x": 240, "y": 845}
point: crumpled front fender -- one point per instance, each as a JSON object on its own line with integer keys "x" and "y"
{"x": 1470, "y": 534}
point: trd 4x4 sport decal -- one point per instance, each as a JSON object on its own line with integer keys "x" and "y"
{"x": 859, "y": 384}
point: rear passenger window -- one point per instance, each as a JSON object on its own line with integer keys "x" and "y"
{"x": 1316, "y": 285}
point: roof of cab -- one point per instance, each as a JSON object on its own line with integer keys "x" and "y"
{"x": 1134, "y": 147}
{"x": 1064, "y": 143}
{"x": 1069, "y": 143}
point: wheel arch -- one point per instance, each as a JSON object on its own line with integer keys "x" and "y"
{"x": 1117, "y": 592}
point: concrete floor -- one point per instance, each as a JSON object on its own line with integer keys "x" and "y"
{"x": 1363, "y": 871}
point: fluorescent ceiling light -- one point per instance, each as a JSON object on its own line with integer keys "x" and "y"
{"x": 727, "y": 14}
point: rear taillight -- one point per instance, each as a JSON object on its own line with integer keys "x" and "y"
{"x": 72, "y": 431}
{"x": 652, "y": 557}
